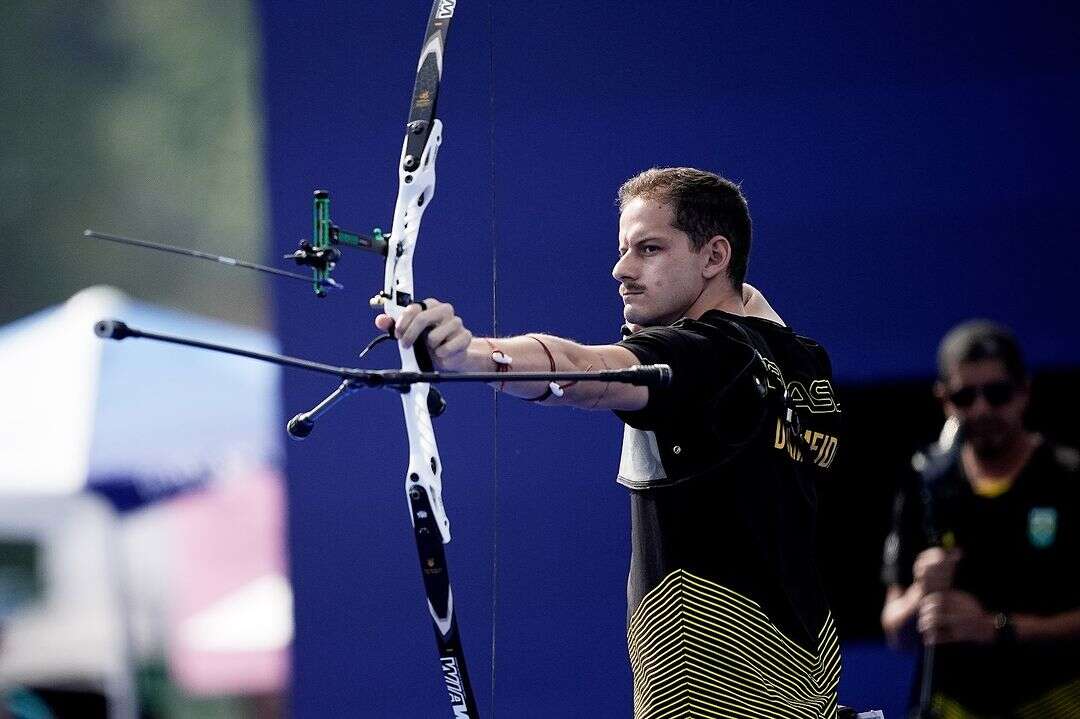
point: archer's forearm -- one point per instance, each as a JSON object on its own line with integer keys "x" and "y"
{"x": 1055, "y": 627}
{"x": 543, "y": 353}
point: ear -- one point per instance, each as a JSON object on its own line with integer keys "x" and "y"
{"x": 717, "y": 253}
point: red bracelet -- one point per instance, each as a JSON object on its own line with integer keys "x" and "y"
{"x": 501, "y": 359}
{"x": 552, "y": 387}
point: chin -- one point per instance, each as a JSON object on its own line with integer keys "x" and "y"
{"x": 646, "y": 317}
{"x": 989, "y": 446}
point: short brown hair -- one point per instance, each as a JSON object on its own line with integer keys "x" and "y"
{"x": 704, "y": 205}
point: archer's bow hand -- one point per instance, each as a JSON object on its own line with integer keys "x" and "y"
{"x": 447, "y": 337}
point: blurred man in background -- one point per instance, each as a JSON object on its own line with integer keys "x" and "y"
{"x": 981, "y": 562}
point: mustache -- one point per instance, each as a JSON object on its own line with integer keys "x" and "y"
{"x": 624, "y": 288}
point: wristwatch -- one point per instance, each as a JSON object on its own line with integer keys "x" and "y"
{"x": 1004, "y": 629}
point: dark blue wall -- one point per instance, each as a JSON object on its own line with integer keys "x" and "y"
{"x": 907, "y": 165}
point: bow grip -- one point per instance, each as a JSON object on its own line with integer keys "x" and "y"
{"x": 436, "y": 403}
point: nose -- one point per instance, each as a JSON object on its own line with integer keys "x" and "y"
{"x": 979, "y": 407}
{"x": 623, "y": 269}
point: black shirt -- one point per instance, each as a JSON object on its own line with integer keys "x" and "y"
{"x": 723, "y": 500}
{"x": 1021, "y": 550}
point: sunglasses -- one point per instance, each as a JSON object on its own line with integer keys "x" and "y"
{"x": 995, "y": 394}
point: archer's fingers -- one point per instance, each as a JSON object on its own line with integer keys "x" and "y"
{"x": 410, "y": 323}
{"x": 456, "y": 344}
{"x": 404, "y": 320}
{"x": 384, "y": 322}
{"x": 444, "y": 331}
{"x": 420, "y": 320}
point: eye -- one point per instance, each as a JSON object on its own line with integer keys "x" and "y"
{"x": 650, "y": 249}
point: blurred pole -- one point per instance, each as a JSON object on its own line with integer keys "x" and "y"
{"x": 120, "y": 688}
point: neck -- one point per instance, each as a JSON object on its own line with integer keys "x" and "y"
{"x": 719, "y": 297}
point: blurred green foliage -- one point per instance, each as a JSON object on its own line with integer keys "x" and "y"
{"x": 141, "y": 118}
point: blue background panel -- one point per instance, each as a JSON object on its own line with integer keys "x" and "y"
{"x": 907, "y": 166}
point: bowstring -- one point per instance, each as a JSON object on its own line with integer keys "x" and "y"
{"x": 495, "y": 333}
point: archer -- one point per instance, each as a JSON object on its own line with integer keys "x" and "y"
{"x": 726, "y": 614}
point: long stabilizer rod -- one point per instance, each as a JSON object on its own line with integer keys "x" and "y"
{"x": 230, "y": 261}
{"x": 644, "y": 375}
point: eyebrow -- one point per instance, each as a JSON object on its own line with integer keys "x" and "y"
{"x": 648, "y": 238}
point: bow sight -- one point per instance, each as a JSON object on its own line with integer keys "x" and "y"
{"x": 321, "y": 253}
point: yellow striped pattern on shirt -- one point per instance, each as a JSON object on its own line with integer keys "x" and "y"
{"x": 698, "y": 649}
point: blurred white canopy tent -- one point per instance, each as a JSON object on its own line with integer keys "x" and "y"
{"x": 137, "y": 419}
{"x": 94, "y": 429}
